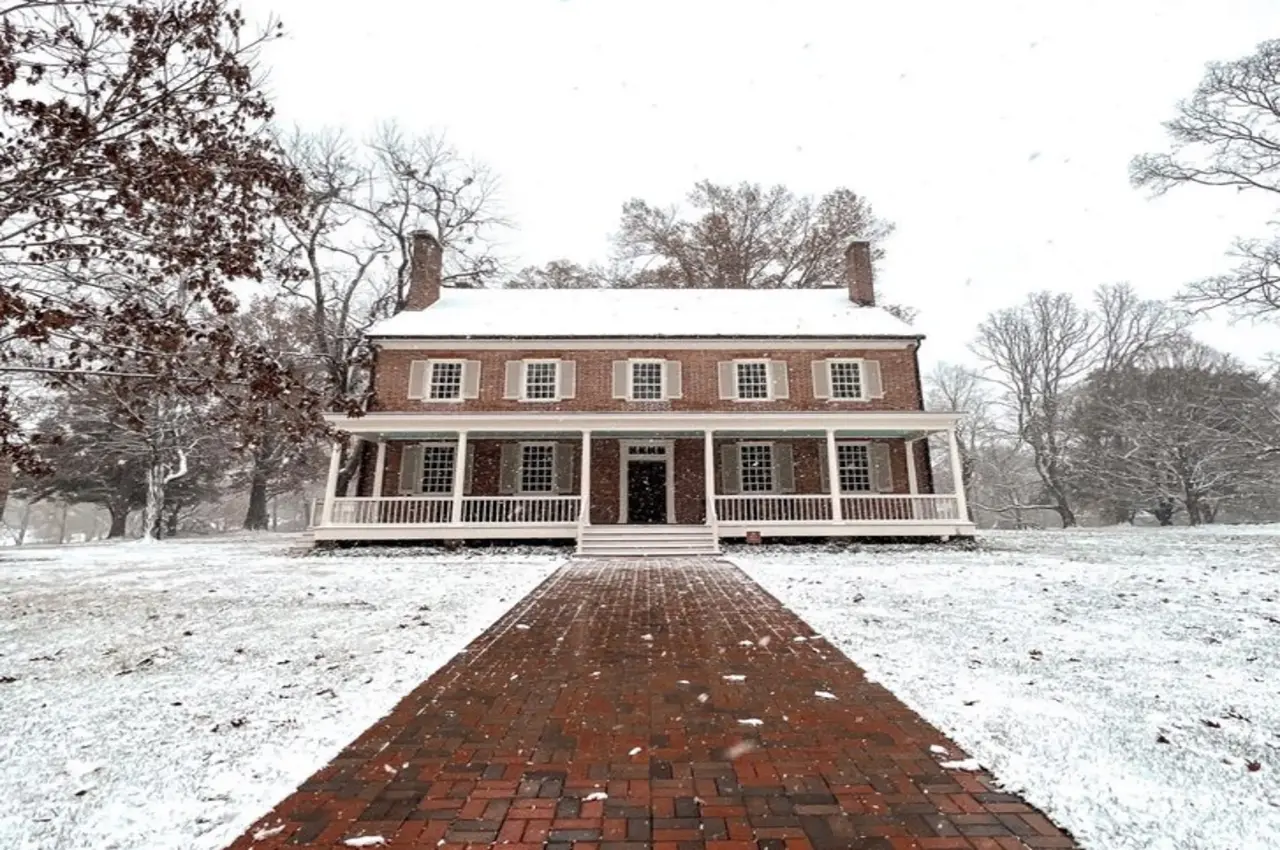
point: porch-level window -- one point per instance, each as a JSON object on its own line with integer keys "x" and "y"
{"x": 855, "y": 467}
{"x": 753, "y": 379}
{"x": 437, "y": 468}
{"x": 537, "y": 468}
{"x": 755, "y": 463}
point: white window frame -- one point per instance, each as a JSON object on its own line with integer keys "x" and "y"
{"x": 862, "y": 379}
{"x": 631, "y": 378}
{"x": 773, "y": 467}
{"x": 768, "y": 380}
{"x": 555, "y": 466}
{"x": 422, "y": 473}
{"x": 431, "y": 373}
{"x": 871, "y": 472}
{"x": 524, "y": 380}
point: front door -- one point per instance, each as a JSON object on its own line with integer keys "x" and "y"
{"x": 647, "y": 491}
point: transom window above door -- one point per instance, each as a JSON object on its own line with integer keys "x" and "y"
{"x": 646, "y": 380}
{"x": 752, "y": 379}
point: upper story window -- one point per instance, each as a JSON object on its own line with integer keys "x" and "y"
{"x": 752, "y": 379}
{"x": 540, "y": 380}
{"x": 445, "y": 380}
{"x": 646, "y": 380}
{"x": 846, "y": 378}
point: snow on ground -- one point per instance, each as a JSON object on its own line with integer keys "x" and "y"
{"x": 1064, "y": 661}
{"x": 167, "y": 695}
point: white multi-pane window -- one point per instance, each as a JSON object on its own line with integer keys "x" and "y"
{"x": 437, "y": 468}
{"x": 855, "y": 467}
{"x": 752, "y": 379}
{"x": 445, "y": 379}
{"x": 846, "y": 379}
{"x": 646, "y": 380}
{"x": 755, "y": 462}
{"x": 537, "y": 468}
{"x": 542, "y": 379}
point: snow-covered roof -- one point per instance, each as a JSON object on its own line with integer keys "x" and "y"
{"x": 644, "y": 313}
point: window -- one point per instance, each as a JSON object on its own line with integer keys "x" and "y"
{"x": 542, "y": 380}
{"x": 445, "y": 379}
{"x": 846, "y": 379}
{"x": 646, "y": 380}
{"x": 854, "y": 461}
{"x": 437, "y": 468}
{"x": 537, "y": 468}
{"x": 753, "y": 379}
{"x": 756, "y": 467}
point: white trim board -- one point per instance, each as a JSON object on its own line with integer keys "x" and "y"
{"x": 628, "y": 344}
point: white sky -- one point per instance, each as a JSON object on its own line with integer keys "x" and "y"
{"x": 996, "y": 135}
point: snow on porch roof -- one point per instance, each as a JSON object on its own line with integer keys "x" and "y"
{"x": 592, "y": 313}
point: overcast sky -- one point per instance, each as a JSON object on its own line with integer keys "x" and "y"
{"x": 996, "y": 135}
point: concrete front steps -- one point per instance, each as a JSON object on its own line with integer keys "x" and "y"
{"x": 603, "y": 541}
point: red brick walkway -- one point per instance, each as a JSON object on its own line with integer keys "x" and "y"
{"x": 682, "y": 691}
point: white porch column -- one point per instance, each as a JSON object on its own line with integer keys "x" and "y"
{"x": 833, "y": 476}
{"x": 957, "y": 475}
{"x": 459, "y": 477}
{"x": 584, "y": 512}
{"x": 912, "y": 487}
{"x": 379, "y": 468}
{"x": 331, "y": 484}
{"x": 709, "y": 473}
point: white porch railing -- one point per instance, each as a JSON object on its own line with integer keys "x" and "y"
{"x": 438, "y": 510}
{"x": 520, "y": 510}
{"x": 773, "y": 508}
{"x": 817, "y": 508}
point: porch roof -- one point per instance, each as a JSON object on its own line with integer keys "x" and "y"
{"x": 895, "y": 423}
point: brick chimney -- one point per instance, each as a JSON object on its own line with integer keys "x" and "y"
{"x": 857, "y": 273}
{"x": 425, "y": 259}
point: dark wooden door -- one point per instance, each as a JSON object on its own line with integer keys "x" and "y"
{"x": 647, "y": 492}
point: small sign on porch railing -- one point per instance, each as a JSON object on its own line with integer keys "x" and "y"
{"x": 753, "y": 537}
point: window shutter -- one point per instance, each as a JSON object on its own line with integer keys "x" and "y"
{"x": 730, "y": 474}
{"x": 515, "y": 377}
{"x": 418, "y": 371}
{"x": 509, "y": 470}
{"x": 410, "y": 469}
{"x": 568, "y": 377}
{"x": 872, "y": 385}
{"x": 565, "y": 468}
{"x": 673, "y": 378}
{"x": 784, "y": 468}
{"x": 621, "y": 378}
{"x": 471, "y": 379}
{"x": 779, "y": 386}
{"x": 727, "y": 388}
{"x": 824, "y": 476}
{"x": 469, "y": 471}
{"x": 881, "y": 469}
{"x": 822, "y": 379}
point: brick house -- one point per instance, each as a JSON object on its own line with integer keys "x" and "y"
{"x": 653, "y": 420}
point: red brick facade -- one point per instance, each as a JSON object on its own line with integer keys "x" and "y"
{"x": 700, "y": 380}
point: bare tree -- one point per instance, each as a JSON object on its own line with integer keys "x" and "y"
{"x": 958, "y": 388}
{"x": 1228, "y": 134}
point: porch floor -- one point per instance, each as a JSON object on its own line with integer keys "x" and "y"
{"x": 651, "y": 703}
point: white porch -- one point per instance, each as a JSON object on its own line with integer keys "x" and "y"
{"x": 722, "y": 504}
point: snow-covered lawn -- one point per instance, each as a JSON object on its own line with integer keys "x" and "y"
{"x": 1126, "y": 681}
{"x": 164, "y": 696}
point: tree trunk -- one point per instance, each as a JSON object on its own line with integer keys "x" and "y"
{"x": 119, "y": 518}
{"x": 1194, "y": 513}
{"x": 1065, "y": 513}
{"x": 1164, "y": 511}
{"x": 154, "y": 510}
{"x": 255, "y": 519}
{"x": 171, "y": 520}
{"x": 24, "y": 524}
